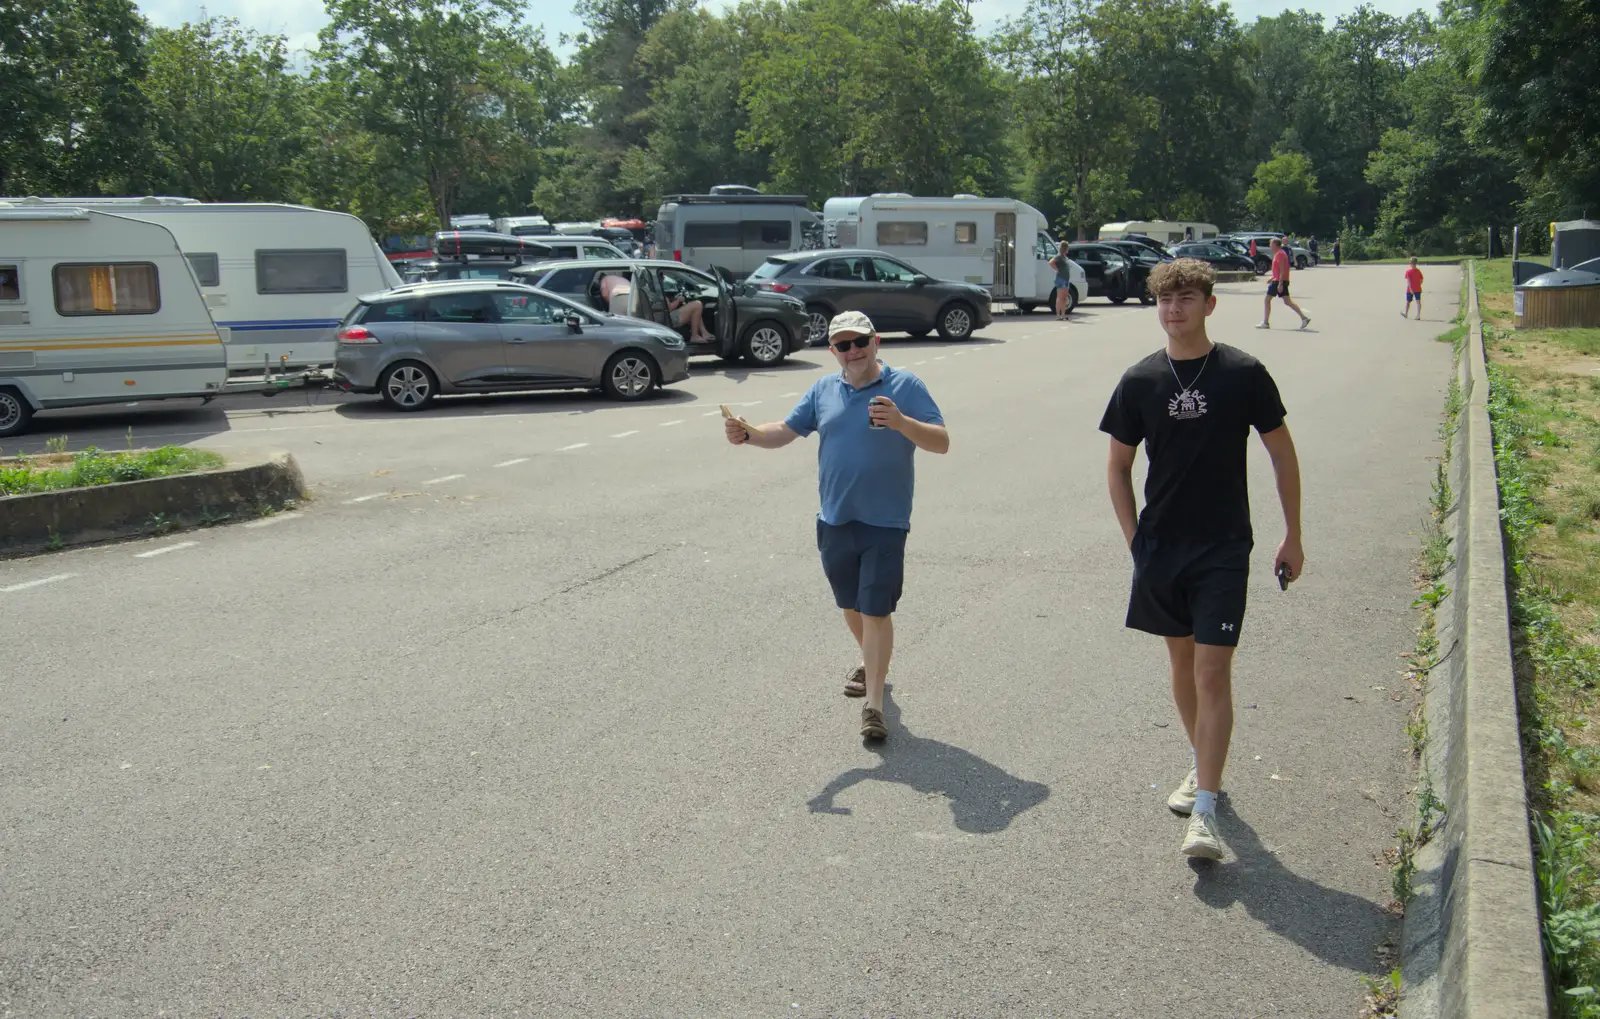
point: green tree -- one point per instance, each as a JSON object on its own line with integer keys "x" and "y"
{"x": 1284, "y": 192}
{"x": 230, "y": 119}
{"x": 72, "y": 115}
{"x": 443, "y": 86}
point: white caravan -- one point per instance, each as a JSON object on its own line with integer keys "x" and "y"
{"x": 1165, "y": 231}
{"x": 98, "y": 308}
{"x": 278, "y": 278}
{"x": 999, "y": 243}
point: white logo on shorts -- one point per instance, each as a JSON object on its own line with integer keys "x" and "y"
{"x": 1227, "y": 626}
{"x": 1187, "y": 405}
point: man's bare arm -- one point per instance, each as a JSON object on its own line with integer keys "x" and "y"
{"x": 930, "y": 437}
{"x": 1286, "y": 469}
{"x": 1119, "y": 479}
{"x": 774, "y": 435}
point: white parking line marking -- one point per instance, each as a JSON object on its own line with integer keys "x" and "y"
{"x": 512, "y": 463}
{"x": 580, "y": 445}
{"x": 669, "y": 424}
{"x": 440, "y": 481}
{"x": 165, "y": 549}
{"x": 711, "y": 413}
{"x": 785, "y": 396}
{"x": 919, "y": 362}
{"x": 36, "y": 583}
{"x": 363, "y": 498}
{"x": 276, "y": 518}
{"x": 747, "y": 403}
{"x": 941, "y": 357}
{"x": 624, "y": 435}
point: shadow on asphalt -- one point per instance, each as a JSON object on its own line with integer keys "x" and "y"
{"x": 1337, "y": 927}
{"x": 552, "y": 401}
{"x": 984, "y": 799}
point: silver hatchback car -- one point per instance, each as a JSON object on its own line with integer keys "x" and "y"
{"x": 415, "y": 342}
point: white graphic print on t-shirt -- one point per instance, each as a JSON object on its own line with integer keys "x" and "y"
{"x": 1188, "y": 404}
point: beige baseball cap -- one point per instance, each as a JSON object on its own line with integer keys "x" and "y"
{"x": 852, "y": 323}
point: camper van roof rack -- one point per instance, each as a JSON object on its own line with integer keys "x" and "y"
{"x": 737, "y": 199}
{"x": 13, "y": 213}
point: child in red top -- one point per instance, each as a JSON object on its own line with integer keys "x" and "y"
{"x": 1413, "y": 290}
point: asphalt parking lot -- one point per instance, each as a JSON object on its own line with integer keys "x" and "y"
{"x": 533, "y": 709}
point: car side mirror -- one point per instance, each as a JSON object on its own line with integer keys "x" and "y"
{"x": 921, "y": 280}
{"x": 574, "y": 324}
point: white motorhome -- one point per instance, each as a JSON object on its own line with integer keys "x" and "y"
{"x": 98, "y": 308}
{"x": 1000, "y": 243}
{"x": 1165, "y": 231}
{"x": 278, "y": 278}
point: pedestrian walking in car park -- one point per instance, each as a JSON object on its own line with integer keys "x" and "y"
{"x": 1413, "y": 289}
{"x": 1315, "y": 260}
{"x": 871, "y": 419}
{"x": 1336, "y": 253}
{"x": 1063, "y": 282}
{"x": 1279, "y": 287}
{"x": 1192, "y": 405}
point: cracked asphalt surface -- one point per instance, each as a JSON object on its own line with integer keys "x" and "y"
{"x": 534, "y": 710}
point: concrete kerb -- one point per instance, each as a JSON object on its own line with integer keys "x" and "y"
{"x": 1471, "y": 938}
{"x": 43, "y": 520}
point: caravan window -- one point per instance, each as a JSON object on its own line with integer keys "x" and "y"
{"x": 712, "y": 235}
{"x": 902, "y": 234}
{"x": 966, "y": 233}
{"x": 308, "y": 271}
{"x": 205, "y": 269}
{"x": 10, "y": 282}
{"x": 769, "y": 235}
{"x": 122, "y": 288}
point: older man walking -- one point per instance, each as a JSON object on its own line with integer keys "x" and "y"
{"x": 871, "y": 419}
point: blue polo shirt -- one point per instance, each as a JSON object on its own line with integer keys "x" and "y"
{"x": 863, "y": 474}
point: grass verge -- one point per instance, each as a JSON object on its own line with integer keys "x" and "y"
{"x": 51, "y": 471}
{"x": 1544, "y": 405}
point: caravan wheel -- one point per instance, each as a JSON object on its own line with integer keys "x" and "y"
{"x": 15, "y": 412}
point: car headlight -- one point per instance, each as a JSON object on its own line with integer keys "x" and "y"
{"x": 670, "y": 340}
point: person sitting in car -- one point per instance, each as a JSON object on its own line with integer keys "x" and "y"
{"x": 682, "y": 311}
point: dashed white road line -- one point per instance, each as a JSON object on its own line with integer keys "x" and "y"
{"x": 669, "y": 424}
{"x": 918, "y": 362}
{"x": 163, "y": 550}
{"x": 624, "y": 435}
{"x": 711, "y": 413}
{"x": 36, "y": 583}
{"x": 580, "y": 445}
{"x": 363, "y": 498}
{"x": 440, "y": 481}
{"x": 276, "y": 518}
{"x": 512, "y": 463}
{"x": 785, "y": 396}
{"x": 941, "y": 357}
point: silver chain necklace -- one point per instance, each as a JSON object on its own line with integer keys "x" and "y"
{"x": 1184, "y": 390}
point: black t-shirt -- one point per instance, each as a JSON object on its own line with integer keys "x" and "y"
{"x": 1195, "y": 436}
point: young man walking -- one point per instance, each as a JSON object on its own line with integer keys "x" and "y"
{"x": 871, "y": 418}
{"x": 1192, "y": 405}
{"x": 1279, "y": 287}
{"x": 1413, "y": 289}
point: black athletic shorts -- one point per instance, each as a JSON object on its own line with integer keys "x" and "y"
{"x": 1278, "y": 288}
{"x": 866, "y": 565}
{"x": 1187, "y": 587}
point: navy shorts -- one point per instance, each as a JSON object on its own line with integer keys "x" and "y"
{"x": 1183, "y": 588}
{"x": 1413, "y": 295}
{"x": 1278, "y": 288}
{"x": 866, "y": 565}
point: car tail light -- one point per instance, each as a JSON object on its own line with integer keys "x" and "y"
{"x": 677, "y": 256}
{"x": 356, "y": 334}
{"x": 777, "y": 288}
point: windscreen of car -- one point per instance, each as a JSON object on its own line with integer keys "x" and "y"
{"x": 770, "y": 269}
{"x": 892, "y": 272}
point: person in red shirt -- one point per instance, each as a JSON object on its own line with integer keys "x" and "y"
{"x": 1413, "y": 290}
{"x": 1279, "y": 287}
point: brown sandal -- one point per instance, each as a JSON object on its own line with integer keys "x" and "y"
{"x": 855, "y": 682}
{"x": 872, "y": 725}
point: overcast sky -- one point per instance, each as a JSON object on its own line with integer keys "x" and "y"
{"x": 300, "y": 19}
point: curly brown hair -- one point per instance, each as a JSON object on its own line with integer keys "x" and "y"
{"x": 1182, "y": 274}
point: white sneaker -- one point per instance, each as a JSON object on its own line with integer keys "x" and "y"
{"x": 1304, "y": 321}
{"x": 1263, "y": 326}
{"x": 1182, "y": 799}
{"x": 1201, "y": 838}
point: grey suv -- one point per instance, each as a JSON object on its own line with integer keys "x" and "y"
{"x": 415, "y": 342}
{"x": 895, "y": 296}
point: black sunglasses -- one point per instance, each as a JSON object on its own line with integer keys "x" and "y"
{"x": 860, "y": 342}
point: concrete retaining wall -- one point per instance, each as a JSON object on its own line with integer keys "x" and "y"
{"x": 1471, "y": 940}
{"x": 37, "y": 521}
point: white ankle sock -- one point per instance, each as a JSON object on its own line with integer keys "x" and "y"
{"x": 1205, "y": 802}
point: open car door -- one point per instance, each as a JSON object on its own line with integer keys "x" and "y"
{"x": 727, "y": 347}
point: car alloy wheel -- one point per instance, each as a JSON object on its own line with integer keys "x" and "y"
{"x": 408, "y": 387}
{"x": 631, "y": 376}
{"x": 819, "y": 327}
{"x": 765, "y": 345}
{"x": 956, "y": 324}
